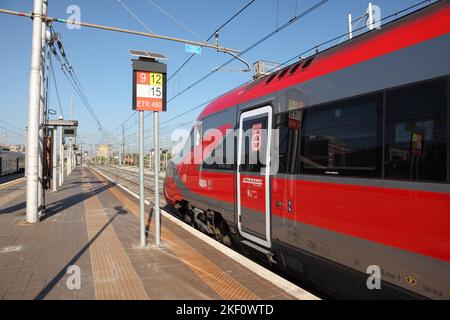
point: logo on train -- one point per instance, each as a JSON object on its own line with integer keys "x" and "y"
{"x": 411, "y": 280}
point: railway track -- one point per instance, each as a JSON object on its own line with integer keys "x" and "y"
{"x": 130, "y": 179}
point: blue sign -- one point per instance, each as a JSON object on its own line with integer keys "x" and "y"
{"x": 193, "y": 49}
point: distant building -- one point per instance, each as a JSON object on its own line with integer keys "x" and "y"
{"x": 103, "y": 150}
{"x": 129, "y": 160}
{"x": 13, "y": 147}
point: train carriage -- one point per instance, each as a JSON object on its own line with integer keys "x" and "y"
{"x": 11, "y": 162}
{"x": 360, "y": 134}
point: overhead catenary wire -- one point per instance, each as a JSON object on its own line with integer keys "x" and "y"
{"x": 80, "y": 95}
{"x": 317, "y": 46}
{"x": 11, "y": 125}
{"x": 13, "y": 132}
{"x": 175, "y": 19}
{"x": 56, "y": 86}
{"x": 70, "y": 74}
{"x": 212, "y": 35}
{"x": 134, "y": 16}
{"x": 228, "y": 21}
{"x": 311, "y": 49}
{"x": 271, "y": 34}
{"x": 291, "y": 21}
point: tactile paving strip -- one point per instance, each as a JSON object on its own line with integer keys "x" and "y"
{"x": 113, "y": 274}
{"x": 223, "y": 284}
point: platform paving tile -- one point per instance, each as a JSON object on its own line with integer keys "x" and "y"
{"x": 38, "y": 269}
{"x": 92, "y": 224}
{"x": 195, "y": 254}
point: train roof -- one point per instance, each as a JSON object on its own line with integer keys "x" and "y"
{"x": 3, "y": 151}
{"x": 422, "y": 25}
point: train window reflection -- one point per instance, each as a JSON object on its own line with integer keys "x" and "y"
{"x": 343, "y": 138}
{"x": 254, "y": 143}
{"x": 416, "y": 133}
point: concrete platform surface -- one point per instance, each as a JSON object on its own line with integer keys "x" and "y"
{"x": 87, "y": 247}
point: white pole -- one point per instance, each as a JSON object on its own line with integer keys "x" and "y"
{"x": 370, "y": 16}
{"x": 33, "y": 116}
{"x": 70, "y": 154}
{"x": 71, "y": 106}
{"x": 141, "y": 176}
{"x": 69, "y": 157}
{"x": 165, "y": 160}
{"x": 54, "y": 187}
{"x": 72, "y": 158}
{"x": 156, "y": 171}
{"x": 350, "y": 27}
{"x": 41, "y": 113}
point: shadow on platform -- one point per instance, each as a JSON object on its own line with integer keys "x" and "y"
{"x": 46, "y": 290}
{"x": 63, "y": 204}
{"x": 14, "y": 208}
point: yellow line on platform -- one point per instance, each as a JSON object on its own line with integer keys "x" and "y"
{"x": 4, "y": 200}
{"x": 286, "y": 286}
{"x": 217, "y": 279}
{"x": 113, "y": 274}
{"x": 11, "y": 183}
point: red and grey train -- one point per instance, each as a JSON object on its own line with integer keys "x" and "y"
{"x": 362, "y": 143}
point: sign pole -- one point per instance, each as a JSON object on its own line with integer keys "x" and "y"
{"x": 141, "y": 176}
{"x": 149, "y": 94}
{"x": 156, "y": 171}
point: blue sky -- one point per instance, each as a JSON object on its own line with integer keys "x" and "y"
{"x": 102, "y": 61}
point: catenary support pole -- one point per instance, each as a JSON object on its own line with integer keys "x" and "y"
{"x": 41, "y": 113}
{"x": 123, "y": 144}
{"x": 33, "y": 116}
{"x": 156, "y": 171}
{"x": 141, "y": 177}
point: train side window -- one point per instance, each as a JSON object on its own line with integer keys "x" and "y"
{"x": 253, "y": 155}
{"x": 215, "y": 132}
{"x": 288, "y": 126}
{"x": 416, "y": 133}
{"x": 197, "y": 133}
{"x": 343, "y": 138}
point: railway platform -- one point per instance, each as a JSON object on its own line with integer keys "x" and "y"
{"x": 86, "y": 246}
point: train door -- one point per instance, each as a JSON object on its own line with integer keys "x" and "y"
{"x": 253, "y": 175}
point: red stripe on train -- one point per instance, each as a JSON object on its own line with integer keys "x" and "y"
{"x": 412, "y": 220}
{"x": 417, "y": 221}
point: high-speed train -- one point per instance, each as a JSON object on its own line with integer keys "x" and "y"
{"x": 341, "y": 165}
{"x": 11, "y": 162}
